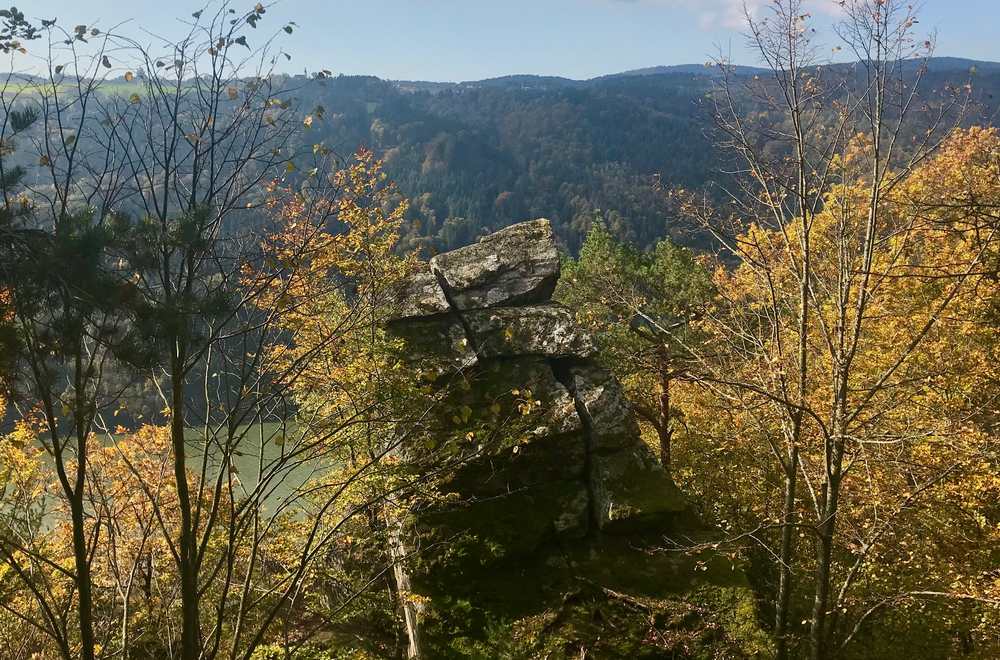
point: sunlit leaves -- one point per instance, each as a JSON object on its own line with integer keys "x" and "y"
{"x": 919, "y": 441}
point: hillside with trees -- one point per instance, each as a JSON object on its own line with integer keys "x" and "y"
{"x": 288, "y": 370}
{"x": 475, "y": 157}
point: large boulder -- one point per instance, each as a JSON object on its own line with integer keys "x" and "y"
{"x": 560, "y": 519}
{"x": 515, "y": 266}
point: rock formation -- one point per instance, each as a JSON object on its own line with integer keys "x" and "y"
{"x": 556, "y": 532}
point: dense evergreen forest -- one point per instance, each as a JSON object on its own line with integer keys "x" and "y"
{"x": 477, "y": 156}
{"x": 680, "y": 363}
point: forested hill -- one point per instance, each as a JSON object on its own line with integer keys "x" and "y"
{"x": 477, "y": 156}
{"x": 481, "y": 156}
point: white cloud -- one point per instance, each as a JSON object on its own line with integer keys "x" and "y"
{"x": 712, "y": 14}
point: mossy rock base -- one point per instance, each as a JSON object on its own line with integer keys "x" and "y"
{"x": 607, "y": 598}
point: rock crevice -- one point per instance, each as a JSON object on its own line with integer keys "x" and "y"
{"x": 455, "y": 312}
{"x": 563, "y": 372}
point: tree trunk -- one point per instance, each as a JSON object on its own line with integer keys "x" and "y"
{"x": 835, "y": 447}
{"x": 824, "y": 553}
{"x": 411, "y": 610}
{"x": 664, "y": 428}
{"x": 786, "y": 554}
{"x": 81, "y": 561}
{"x": 190, "y": 619}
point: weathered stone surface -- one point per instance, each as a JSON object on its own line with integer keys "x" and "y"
{"x": 603, "y": 399}
{"x": 523, "y": 497}
{"x": 515, "y": 266}
{"x": 421, "y": 296}
{"x": 548, "y": 330}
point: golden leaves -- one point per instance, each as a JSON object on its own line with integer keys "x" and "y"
{"x": 316, "y": 261}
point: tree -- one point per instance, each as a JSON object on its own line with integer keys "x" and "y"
{"x": 15, "y": 30}
{"x": 805, "y": 141}
{"x": 354, "y": 392}
{"x": 60, "y": 318}
{"x": 133, "y": 251}
{"x": 915, "y": 445}
{"x": 642, "y": 308}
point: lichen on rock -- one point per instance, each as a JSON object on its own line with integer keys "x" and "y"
{"x": 540, "y": 330}
{"x": 514, "y": 266}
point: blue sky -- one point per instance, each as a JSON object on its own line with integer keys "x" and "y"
{"x": 473, "y": 39}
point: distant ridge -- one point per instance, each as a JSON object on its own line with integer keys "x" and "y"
{"x": 531, "y": 81}
{"x": 937, "y": 64}
{"x": 944, "y": 64}
{"x": 525, "y": 80}
{"x": 689, "y": 69}
{"x": 476, "y": 156}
